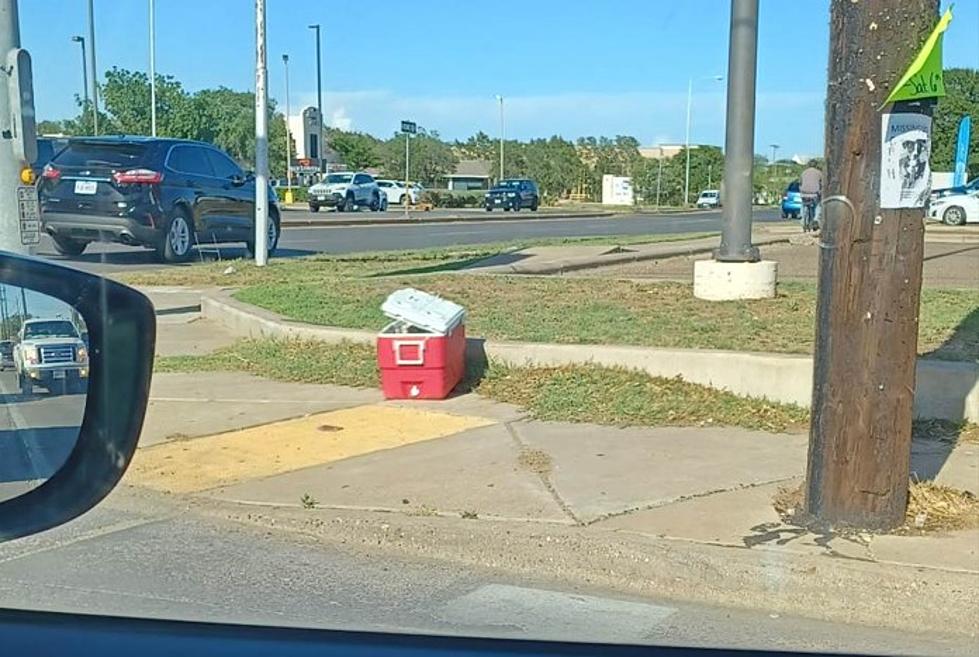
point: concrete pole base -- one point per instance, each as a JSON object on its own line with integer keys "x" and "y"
{"x": 727, "y": 281}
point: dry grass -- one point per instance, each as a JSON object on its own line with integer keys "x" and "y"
{"x": 932, "y": 508}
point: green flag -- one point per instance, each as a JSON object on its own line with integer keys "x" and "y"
{"x": 923, "y": 79}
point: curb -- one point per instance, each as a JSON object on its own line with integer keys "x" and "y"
{"x": 947, "y": 390}
{"x": 873, "y": 593}
{"x": 627, "y": 256}
{"x": 411, "y": 221}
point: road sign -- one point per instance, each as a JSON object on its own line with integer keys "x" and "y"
{"x": 409, "y": 127}
{"x": 29, "y": 213}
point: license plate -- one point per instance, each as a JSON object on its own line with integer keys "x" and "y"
{"x": 86, "y": 186}
{"x": 58, "y": 374}
{"x": 320, "y": 198}
{"x": 497, "y": 200}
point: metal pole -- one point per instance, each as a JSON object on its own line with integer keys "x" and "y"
{"x": 686, "y": 179}
{"x": 15, "y": 149}
{"x": 285, "y": 62}
{"x": 81, "y": 40}
{"x": 502, "y": 134}
{"x": 261, "y": 139}
{"x": 659, "y": 178}
{"x": 740, "y": 140}
{"x": 774, "y": 161}
{"x": 94, "y": 91}
{"x": 407, "y": 139}
{"x": 319, "y": 95}
{"x": 153, "y": 68}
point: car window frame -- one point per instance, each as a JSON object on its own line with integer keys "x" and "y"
{"x": 168, "y": 162}
{"x": 221, "y": 155}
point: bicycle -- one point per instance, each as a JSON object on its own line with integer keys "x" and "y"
{"x": 810, "y": 214}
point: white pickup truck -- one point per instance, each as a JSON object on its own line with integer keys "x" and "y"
{"x": 51, "y": 354}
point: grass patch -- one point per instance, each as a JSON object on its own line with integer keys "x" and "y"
{"x": 620, "y": 397}
{"x": 344, "y": 364}
{"x": 592, "y": 311}
{"x": 931, "y": 508}
{"x": 588, "y": 393}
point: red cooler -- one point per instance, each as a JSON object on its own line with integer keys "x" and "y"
{"x": 422, "y": 353}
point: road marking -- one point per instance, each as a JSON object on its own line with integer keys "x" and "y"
{"x": 201, "y": 463}
{"x": 554, "y": 616}
{"x": 199, "y": 400}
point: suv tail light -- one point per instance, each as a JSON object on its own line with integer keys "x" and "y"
{"x": 137, "y": 177}
{"x": 50, "y": 173}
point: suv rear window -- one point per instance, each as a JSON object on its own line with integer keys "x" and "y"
{"x": 100, "y": 154}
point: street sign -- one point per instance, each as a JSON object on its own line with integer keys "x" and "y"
{"x": 29, "y": 213}
{"x": 409, "y": 127}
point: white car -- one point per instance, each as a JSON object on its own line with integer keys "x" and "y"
{"x": 709, "y": 198}
{"x": 345, "y": 191}
{"x": 956, "y": 209}
{"x": 396, "y": 191}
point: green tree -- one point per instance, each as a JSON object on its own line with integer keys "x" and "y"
{"x": 962, "y": 98}
{"x": 358, "y": 150}
{"x": 430, "y": 158}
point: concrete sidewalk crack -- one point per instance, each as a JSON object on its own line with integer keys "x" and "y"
{"x": 539, "y": 462}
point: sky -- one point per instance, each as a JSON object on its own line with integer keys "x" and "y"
{"x": 566, "y": 67}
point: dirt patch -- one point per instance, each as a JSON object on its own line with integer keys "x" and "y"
{"x": 535, "y": 460}
{"x": 932, "y": 508}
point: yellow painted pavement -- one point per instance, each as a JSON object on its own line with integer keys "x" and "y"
{"x": 198, "y": 464}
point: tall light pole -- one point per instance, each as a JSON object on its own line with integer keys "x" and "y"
{"x": 261, "y": 139}
{"x": 774, "y": 161}
{"x": 92, "y": 66}
{"x": 285, "y": 64}
{"x": 502, "y": 133}
{"x": 152, "y": 12}
{"x": 686, "y": 179}
{"x": 81, "y": 40}
{"x": 319, "y": 96}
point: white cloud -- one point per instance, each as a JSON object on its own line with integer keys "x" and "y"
{"x": 340, "y": 120}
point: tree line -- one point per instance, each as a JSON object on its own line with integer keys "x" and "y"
{"x": 561, "y": 167}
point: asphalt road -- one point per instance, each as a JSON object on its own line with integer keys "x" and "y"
{"x": 107, "y": 258}
{"x": 154, "y": 556}
{"x": 36, "y": 435}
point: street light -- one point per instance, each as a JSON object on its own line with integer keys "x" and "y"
{"x": 81, "y": 40}
{"x": 319, "y": 96}
{"x": 686, "y": 183}
{"x": 502, "y": 133}
{"x": 152, "y": 19}
{"x": 288, "y": 199}
{"x": 774, "y": 161}
{"x": 92, "y": 65}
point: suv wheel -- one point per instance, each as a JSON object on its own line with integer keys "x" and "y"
{"x": 68, "y": 247}
{"x": 26, "y": 385}
{"x": 375, "y": 203}
{"x": 177, "y": 239}
{"x": 272, "y": 241}
{"x": 347, "y": 204}
{"x": 535, "y": 205}
{"x": 313, "y": 207}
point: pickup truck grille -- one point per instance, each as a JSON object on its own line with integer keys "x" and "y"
{"x": 57, "y": 353}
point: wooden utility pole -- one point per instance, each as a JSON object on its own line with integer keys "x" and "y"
{"x": 869, "y": 276}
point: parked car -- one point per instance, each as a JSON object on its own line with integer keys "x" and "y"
{"x": 345, "y": 191}
{"x": 51, "y": 354}
{"x": 792, "y": 201}
{"x": 971, "y": 186}
{"x": 7, "y": 355}
{"x": 47, "y": 148}
{"x": 709, "y": 198}
{"x": 165, "y": 194}
{"x": 396, "y": 191}
{"x": 956, "y": 209}
{"x": 513, "y": 194}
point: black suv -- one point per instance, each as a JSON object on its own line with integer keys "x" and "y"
{"x": 166, "y": 194}
{"x": 513, "y": 194}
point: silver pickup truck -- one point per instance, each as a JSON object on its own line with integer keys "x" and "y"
{"x": 49, "y": 353}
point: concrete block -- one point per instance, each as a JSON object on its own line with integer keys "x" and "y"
{"x": 728, "y": 281}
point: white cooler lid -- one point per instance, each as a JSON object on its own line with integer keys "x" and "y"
{"x": 424, "y": 310}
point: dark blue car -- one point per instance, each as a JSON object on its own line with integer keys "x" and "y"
{"x": 792, "y": 201}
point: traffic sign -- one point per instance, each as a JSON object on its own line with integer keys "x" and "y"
{"x": 409, "y": 127}
{"x": 29, "y": 213}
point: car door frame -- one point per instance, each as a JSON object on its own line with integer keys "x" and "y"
{"x": 360, "y": 196}
{"x": 238, "y": 196}
{"x": 205, "y": 204}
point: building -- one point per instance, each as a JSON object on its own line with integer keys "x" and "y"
{"x": 662, "y": 151}
{"x": 303, "y": 128}
{"x": 469, "y": 174}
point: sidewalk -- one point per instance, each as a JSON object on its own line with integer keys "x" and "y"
{"x": 685, "y": 512}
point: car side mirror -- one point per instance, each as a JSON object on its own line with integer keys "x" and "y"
{"x": 80, "y": 406}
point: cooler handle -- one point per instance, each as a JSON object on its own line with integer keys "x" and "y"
{"x": 399, "y": 360}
